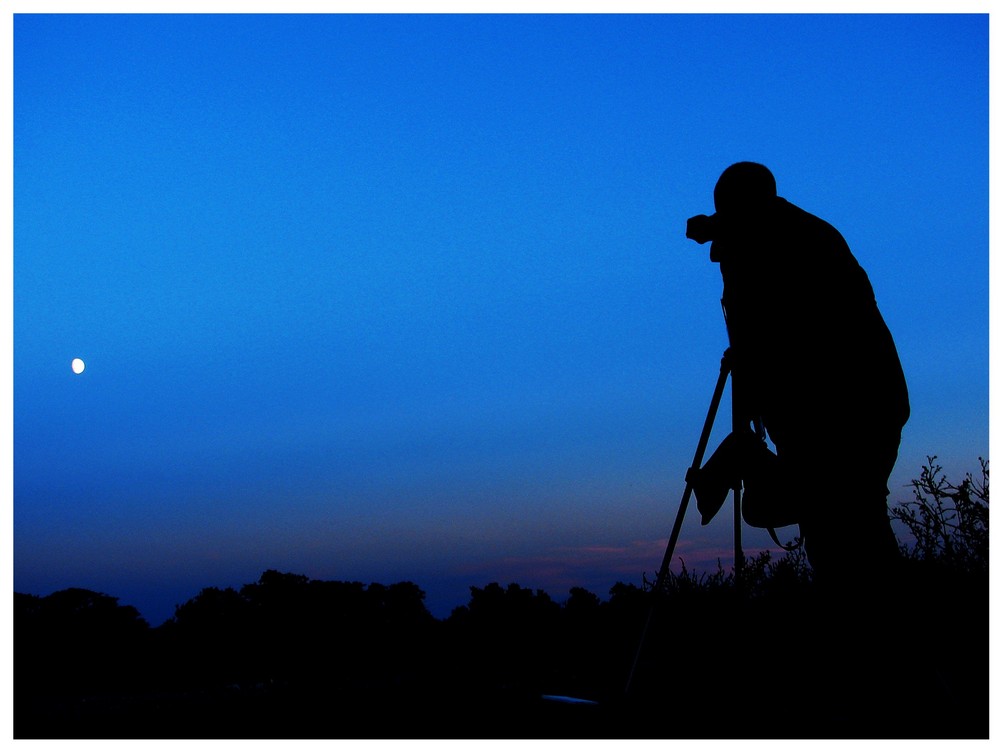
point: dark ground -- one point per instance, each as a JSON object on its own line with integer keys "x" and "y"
{"x": 290, "y": 658}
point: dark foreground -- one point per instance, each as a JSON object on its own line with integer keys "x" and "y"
{"x": 292, "y": 658}
{"x": 268, "y": 712}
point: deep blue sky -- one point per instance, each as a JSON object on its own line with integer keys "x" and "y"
{"x": 389, "y": 298}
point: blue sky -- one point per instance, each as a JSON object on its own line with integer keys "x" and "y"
{"x": 408, "y": 297}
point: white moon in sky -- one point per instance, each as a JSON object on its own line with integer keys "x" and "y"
{"x": 78, "y": 365}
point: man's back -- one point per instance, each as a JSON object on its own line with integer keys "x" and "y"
{"x": 806, "y": 327}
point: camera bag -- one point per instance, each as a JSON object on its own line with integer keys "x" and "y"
{"x": 768, "y": 502}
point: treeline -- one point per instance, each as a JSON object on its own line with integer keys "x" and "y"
{"x": 287, "y": 656}
{"x": 709, "y": 656}
{"x": 290, "y": 656}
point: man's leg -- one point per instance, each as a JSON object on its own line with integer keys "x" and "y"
{"x": 856, "y": 564}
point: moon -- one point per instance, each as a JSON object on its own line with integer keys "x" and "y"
{"x": 78, "y": 365}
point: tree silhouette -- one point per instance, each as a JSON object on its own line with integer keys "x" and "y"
{"x": 73, "y": 643}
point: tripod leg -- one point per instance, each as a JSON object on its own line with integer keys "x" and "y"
{"x": 699, "y": 454}
{"x": 741, "y": 422}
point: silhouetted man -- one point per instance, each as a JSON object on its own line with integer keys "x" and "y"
{"x": 814, "y": 360}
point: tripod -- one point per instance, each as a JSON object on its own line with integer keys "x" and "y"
{"x": 739, "y": 422}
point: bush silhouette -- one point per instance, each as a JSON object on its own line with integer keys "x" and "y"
{"x": 949, "y": 523}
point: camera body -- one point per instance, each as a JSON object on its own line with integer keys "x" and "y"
{"x": 703, "y": 228}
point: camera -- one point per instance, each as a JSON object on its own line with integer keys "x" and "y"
{"x": 702, "y": 228}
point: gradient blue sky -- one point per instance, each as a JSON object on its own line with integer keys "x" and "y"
{"x": 389, "y": 298}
